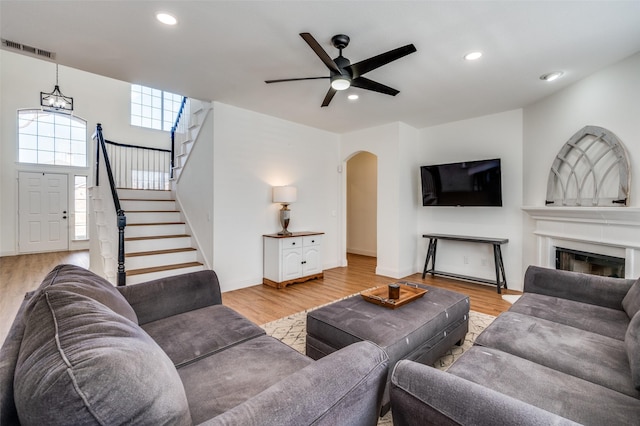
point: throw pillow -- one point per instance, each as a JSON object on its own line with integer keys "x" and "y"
{"x": 81, "y": 281}
{"x": 81, "y": 363}
{"x": 631, "y": 302}
{"x": 632, "y": 344}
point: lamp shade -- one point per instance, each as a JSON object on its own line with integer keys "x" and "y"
{"x": 285, "y": 194}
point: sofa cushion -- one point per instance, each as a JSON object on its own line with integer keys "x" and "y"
{"x": 82, "y": 363}
{"x": 590, "y": 356}
{"x": 8, "y": 359}
{"x": 559, "y": 393}
{"x": 631, "y": 302}
{"x": 82, "y": 281}
{"x": 192, "y": 335}
{"x": 596, "y": 319}
{"x": 632, "y": 344}
{"x": 221, "y": 381}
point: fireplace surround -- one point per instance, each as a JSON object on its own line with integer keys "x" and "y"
{"x": 608, "y": 231}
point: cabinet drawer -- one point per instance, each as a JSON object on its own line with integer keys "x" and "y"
{"x": 291, "y": 242}
{"x": 312, "y": 240}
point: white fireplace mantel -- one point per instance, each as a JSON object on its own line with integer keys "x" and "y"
{"x": 629, "y": 216}
{"x": 607, "y": 230}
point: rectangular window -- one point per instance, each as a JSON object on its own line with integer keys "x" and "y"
{"x": 153, "y": 108}
{"x": 80, "y": 230}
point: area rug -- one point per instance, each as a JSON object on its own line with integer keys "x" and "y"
{"x": 292, "y": 331}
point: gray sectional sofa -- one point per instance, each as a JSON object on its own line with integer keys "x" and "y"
{"x": 83, "y": 352}
{"x": 567, "y": 352}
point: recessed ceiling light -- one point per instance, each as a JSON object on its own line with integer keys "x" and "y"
{"x": 472, "y": 56}
{"x": 551, "y": 76}
{"x": 352, "y": 97}
{"x": 165, "y": 18}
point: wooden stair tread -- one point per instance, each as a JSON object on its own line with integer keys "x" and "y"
{"x": 152, "y": 211}
{"x": 155, "y": 223}
{"x": 162, "y": 268}
{"x": 156, "y": 237}
{"x": 149, "y": 253}
{"x": 140, "y": 189}
{"x": 147, "y": 199}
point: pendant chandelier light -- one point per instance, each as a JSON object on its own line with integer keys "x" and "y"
{"x": 56, "y": 100}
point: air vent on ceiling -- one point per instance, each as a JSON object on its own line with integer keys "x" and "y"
{"x": 28, "y": 49}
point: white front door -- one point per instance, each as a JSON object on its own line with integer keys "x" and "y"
{"x": 43, "y": 209}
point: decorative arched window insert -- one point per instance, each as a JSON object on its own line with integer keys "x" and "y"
{"x": 590, "y": 170}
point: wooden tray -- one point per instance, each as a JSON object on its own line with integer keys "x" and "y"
{"x": 380, "y": 295}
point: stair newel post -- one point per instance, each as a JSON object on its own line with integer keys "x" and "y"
{"x": 122, "y": 223}
{"x": 96, "y": 137}
{"x": 173, "y": 151}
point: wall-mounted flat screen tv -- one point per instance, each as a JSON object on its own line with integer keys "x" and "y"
{"x": 468, "y": 183}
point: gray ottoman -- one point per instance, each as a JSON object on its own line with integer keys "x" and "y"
{"x": 422, "y": 330}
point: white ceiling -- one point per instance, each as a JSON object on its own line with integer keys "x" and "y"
{"x": 224, "y": 50}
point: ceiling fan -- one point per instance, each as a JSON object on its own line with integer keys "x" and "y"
{"x": 344, "y": 74}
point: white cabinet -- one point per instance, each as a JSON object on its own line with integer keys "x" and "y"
{"x": 292, "y": 258}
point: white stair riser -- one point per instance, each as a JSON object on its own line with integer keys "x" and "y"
{"x": 152, "y": 217}
{"x": 136, "y": 279}
{"x": 145, "y": 194}
{"x": 157, "y": 244}
{"x": 147, "y": 205}
{"x": 140, "y": 262}
{"x": 154, "y": 230}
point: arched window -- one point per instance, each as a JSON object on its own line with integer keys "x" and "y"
{"x": 51, "y": 138}
{"x": 591, "y": 169}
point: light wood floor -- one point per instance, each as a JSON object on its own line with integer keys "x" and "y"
{"x": 263, "y": 304}
{"x": 260, "y": 303}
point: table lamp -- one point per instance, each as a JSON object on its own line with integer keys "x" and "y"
{"x": 284, "y": 195}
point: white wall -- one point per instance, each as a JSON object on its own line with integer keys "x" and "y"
{"x": 252, "y": 153}
{"x": 394, "y": 144}
{"x": 97, "y": 99}
{"x": 609, "y": 98}
{"x": 362, "y": 204}
{"x": 194, "y": 190}
{"x": 492, "y": 136}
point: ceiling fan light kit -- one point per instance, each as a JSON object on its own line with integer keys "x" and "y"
{"x": 340, "y": 82}
{"x": 343, "y": 74}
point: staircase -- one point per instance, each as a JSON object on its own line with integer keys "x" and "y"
{"x": 194, "y": 115}
{"x": 156, "y": 241}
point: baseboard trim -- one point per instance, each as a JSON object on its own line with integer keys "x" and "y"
{"x": 370, "y": 253}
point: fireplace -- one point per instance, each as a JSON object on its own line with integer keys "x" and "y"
{"x": 593, "y": 235}
{"x": 589, "y": 263}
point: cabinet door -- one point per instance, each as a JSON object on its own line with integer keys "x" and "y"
{"x": 291, "y": 264}
{"x": 312, "y": 260}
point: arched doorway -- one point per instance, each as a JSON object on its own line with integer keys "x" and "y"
{"x": 362, "y": 204}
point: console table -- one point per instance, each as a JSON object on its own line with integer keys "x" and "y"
{"x": 501, "y": 279}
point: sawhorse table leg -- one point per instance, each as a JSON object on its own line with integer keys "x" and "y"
{"x": 431, "y": 255}
{"x": 501, "y": 279}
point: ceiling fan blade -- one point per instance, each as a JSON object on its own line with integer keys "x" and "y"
{"x": 294, "y": 79}
{"x": 362, "y": 67}
{"x": 330, "y": 94}
{"x": 320, "y": 52}
{"x": 365, "y": 83}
